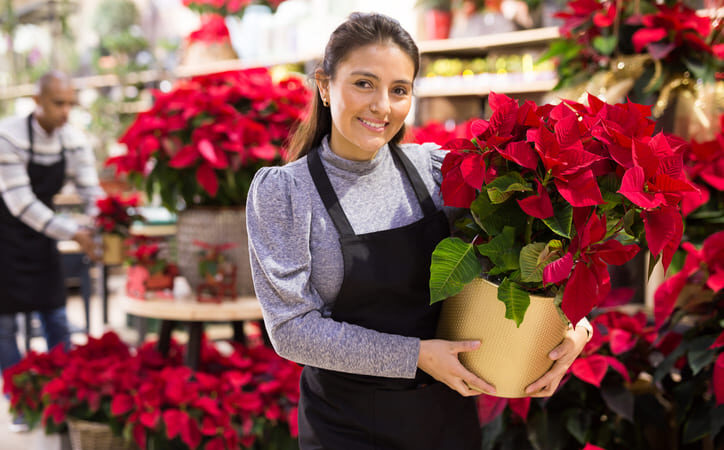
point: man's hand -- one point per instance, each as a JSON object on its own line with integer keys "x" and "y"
{"x": 84, "y": 238}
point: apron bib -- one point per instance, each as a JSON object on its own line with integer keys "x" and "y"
{"x": 31, "y": 276}
{"x": 385, "y": 288}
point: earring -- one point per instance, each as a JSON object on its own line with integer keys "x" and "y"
{"x": 325, "y": 102}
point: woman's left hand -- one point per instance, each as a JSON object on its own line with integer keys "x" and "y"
{"x": 563, "y": 355}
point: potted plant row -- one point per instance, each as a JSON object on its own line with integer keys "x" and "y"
{"x": 243, "y": 399}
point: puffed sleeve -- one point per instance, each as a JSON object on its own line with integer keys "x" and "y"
{"x": 279, "y": 217}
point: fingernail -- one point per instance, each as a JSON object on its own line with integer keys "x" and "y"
{"x": 553, "y": 354}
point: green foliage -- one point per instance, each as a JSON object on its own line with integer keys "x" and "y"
{"x": 454, "y": 264}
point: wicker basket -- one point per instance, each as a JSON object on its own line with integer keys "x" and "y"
{"x": 85, "y": 435}
{"x": 214, "y": 226}
{"x": 510, "y": 358}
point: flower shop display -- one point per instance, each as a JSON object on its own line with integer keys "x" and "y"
{"x": 149, "y": 271}
{"x": 650, "y": 52}
{"x": 245, "y": 399}
{"x": 555, "y": 195}
{"x": 115, "y": 216}
{"x": 218, "y": 273}
{"x": 198, "y": 148}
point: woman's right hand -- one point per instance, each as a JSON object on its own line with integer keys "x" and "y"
{"x": 439, "y": 358}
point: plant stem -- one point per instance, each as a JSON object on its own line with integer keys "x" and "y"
{"x": 529, "y": 229}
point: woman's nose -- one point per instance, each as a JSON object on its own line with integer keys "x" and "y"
{"x": 381, "y": 103}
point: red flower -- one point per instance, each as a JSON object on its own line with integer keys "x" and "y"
{"x": 213, "y": 29}
{"x": 678, "y": 26}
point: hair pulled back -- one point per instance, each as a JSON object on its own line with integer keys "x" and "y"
{"x": 360, "y": 29}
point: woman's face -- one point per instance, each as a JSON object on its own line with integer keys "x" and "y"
{"x": 369, "y": 98}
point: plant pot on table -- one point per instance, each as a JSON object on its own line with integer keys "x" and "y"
{"x": 112, "y": 249}
{"x": 214, "y": 225}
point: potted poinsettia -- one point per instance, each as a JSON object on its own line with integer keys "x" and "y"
{"x": 116, "y": 214}
{"x": 198, "y": 148}
{"x": 555, "y": 194}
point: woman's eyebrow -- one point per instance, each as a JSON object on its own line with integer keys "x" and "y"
{"x": 372, "y": 75}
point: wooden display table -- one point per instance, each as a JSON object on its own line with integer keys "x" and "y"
{"x": 194, "y": 314}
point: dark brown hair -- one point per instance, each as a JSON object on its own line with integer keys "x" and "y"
{"x": 359, "y": 30}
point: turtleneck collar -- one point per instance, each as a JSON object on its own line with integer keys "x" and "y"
{"x": 347, "y": 165}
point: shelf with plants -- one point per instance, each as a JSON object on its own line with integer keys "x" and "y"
{"x": 463, "y": 71}
{"x": 151, "y": 76}
{"x": 486, "y": 42}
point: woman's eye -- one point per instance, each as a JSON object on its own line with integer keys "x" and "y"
{"x": 363, "y": 83}
{"x": 400, "y": 91}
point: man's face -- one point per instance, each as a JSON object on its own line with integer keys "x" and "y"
{"x": 54, "y": 104}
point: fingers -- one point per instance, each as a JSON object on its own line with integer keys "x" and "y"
{"x": 464, "y": 346}
{"x": 562, "y": 349}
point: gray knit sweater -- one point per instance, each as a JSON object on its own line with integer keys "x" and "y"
{"x": 297, "y": 261}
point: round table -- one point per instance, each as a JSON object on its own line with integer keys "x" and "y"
{"x": 174, "y": 311}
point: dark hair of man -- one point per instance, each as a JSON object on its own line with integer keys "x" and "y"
{"x": 48, "y": 78}
{"x": 359, "y": 30}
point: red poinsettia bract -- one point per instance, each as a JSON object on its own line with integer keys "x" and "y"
{"x": 115, "y": 212}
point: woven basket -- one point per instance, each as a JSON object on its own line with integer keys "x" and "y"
{"x": 214, "y": 226}
{"x": 85, "y": 435}
{"x": 510, "y": 358}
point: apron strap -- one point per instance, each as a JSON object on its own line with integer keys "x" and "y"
{"x": 331, "y": 202}
{"x": 30, "y": 137}
{"x": 423, "y": 195}
{"x": 326, "y": 191}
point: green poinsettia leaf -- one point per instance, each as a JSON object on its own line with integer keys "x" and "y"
{"x": 605, "y": 44}
{"x": 454, "y": 264}
{"x": 516, "y": 301}
{"x": 500, "y": 189}
{"x": 531, "y": 268}
{"x": 562, "y": 220}
{"x": 502, "y": 251}
{"x": 611, "y": 200}
{"x": 493, "y": 217}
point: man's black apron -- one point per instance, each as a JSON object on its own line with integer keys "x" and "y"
{"x": 385, "y": 288}
{"x": 31, "y": 277}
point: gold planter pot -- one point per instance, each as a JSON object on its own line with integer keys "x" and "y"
{"x": 510, "y": 358}
{"x": 112, "y": 249}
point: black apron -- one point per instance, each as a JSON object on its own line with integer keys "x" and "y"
{"x": 31, "y": 277}
{"x": 385, "y": 288}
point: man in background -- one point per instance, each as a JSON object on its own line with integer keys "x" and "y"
{"x": 38, "y": 154}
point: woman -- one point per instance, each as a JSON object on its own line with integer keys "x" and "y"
{"x": 340, "y": 242}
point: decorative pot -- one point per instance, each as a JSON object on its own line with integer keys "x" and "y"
{"x": 85, "y": 435}
{"x": 510, "y": 358}
{"x": 159, "y": 282}
{"x": 214, "y": 226}
{"x": 112, "y": 249}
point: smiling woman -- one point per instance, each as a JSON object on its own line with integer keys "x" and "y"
{"x": 340, "y": 241}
